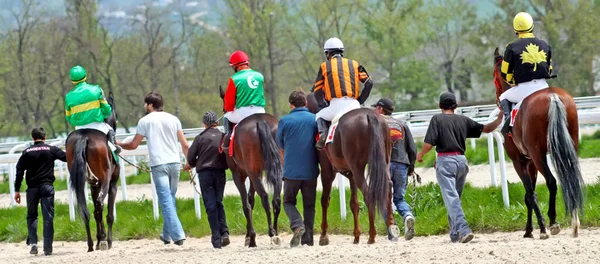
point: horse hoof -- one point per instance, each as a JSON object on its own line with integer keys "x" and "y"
{"x": 247, "y": 242}
{"x": 356, "y": 240}
{"x": 394, "y": 232}
{"x": 528, "y": 235}
{"x": 371, "y": 241}
{"x": 90, "y": 250}
{"x": 324, "y": 241}
{"x": 544, "y": 236}
{"x": 103, "y": 245}
{"x": 554, "y": 229}
{"x": 276, "y": 241}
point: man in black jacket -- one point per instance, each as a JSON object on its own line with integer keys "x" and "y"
{"x": 38, "y": 161}
{"x": 210, "y": 166}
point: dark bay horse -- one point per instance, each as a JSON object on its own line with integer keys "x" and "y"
{"x": 546, "y": 122}
{"x": 255, "y": 151}
{"x": 362, "y": 138}
{"x": 90, "y": 160}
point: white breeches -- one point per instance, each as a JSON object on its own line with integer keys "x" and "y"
{"x": 100, "y": 126}
{"x": 238, "y": 114}
{"x": 338, "y": 106}
{"x": 522, "y": 90}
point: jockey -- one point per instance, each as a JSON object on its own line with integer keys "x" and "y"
{"x": 86, "y": 107}
{"x": 337, "y": 88}
{"x": 245, "y": 94}
{"x": 526, "y": 66}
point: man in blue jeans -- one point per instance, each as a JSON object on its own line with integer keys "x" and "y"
{"x": 296, "y": 135}
{"x": 211, "y": 165}
{"x": 162, "y": 131}
{"x": 448, "y": 133}
{"x": 402, "y": 163}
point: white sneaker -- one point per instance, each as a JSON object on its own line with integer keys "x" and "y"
{"x": 409, "y": 227}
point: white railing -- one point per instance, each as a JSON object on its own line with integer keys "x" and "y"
{"x": 418, "y": 121}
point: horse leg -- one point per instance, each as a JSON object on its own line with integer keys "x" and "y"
{"x": 98, "y": 212}
{"x": 325, "y": 198}
{"x": 86, "y": 220}
{"x": 110, "y": 217}
{"x": 534, "y": 201}
{"x": 264, "y": 198}
{"x": 240, "y": 183}
{"x": 542, "y": 165}
{"x": 251, "y": 197}
{"x": 354, "y": 206}
{"x": 520, "y": 164}
{"x": 276, "y": 201}
{"x": 371, "y": 209}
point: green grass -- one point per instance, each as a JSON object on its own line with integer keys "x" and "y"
{"x": 141, "y": 178}
{"x": 589, "y": 147}
{"x": 483, "y": 208}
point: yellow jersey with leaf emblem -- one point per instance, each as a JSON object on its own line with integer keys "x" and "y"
{"x": 525, "y": 59}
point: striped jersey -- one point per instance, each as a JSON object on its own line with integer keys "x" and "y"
{"x": 340, "y": 77}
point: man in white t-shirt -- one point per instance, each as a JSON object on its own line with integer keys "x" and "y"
{"x": 162, "y": 132}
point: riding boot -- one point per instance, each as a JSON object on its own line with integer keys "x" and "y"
{"x": 322, "y": 127}
{"x": 506, "y": 108}
{"x": 111, "y": 138}
{"x": 228, "y": 129}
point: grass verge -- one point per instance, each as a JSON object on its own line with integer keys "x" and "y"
{"x": 483, "y": 208}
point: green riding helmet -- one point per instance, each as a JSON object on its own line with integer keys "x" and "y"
{"x": 77, "y": 74}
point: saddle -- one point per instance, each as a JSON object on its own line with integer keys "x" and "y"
{"x": 332, "y": 128}
{"x": 231, "y": 140}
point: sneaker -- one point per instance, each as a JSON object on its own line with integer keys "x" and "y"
{"x": 466, "y": 238}
{"x": 34, "y": 250}
{"x": 164, "y": 240}
{"x": 225, "y": 240}
{"x": 298, "y": 233}
{"x": 409, "y": 227}
{"x": 179, "y": 242}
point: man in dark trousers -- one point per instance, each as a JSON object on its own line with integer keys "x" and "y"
{"x": 296, "y": 135}
{"x": 210, "y": 166}
{"x": 402, "y": 163}
{"x": 448, "y": 132}
{"x": 38, "y": 161}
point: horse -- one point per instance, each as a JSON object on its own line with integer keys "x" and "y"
{"x": 362, "y": 138}
{"x": 90, "y": 159}
{"x": 255, "y": 151}
{"x": 546, "y": 122}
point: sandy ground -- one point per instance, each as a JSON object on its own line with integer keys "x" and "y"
{"x": 479, "y": 175}
{"x": 485, "y": 248}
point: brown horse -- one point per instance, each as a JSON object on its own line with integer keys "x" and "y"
{"x": 90, "y": 160}
{"x": 362, "y": 137}
{"x": 546, "y": 122}
{"x": 255, "y": 151}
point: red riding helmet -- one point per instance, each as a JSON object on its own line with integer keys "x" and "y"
{"x": 238, "y": 58}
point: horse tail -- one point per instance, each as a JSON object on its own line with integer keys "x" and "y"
{"x": 378, "y": 169}
{"x": 270, "y": 153}
{"x": 564, "y": 156}
{"x": 78, "y": 178}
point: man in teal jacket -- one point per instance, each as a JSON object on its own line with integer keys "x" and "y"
{"x": 296, "y": 135}
{"x": 86, "y": 107}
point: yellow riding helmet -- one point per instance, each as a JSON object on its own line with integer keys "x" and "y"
{"x": 523, "y": 22}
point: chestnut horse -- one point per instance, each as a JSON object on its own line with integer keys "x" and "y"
{"x": 362, "y": 137}
{"x": 255, "y": 150}
{"x": 90, "y": 159}
{"x": 546, "y": 122}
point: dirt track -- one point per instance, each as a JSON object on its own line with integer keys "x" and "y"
{"x": 485, "y": 248}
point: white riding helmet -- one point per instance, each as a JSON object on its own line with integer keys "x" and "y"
{"x": 333, "y": 44}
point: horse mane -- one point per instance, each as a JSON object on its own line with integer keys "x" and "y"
{"x": 112, "y": 119}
